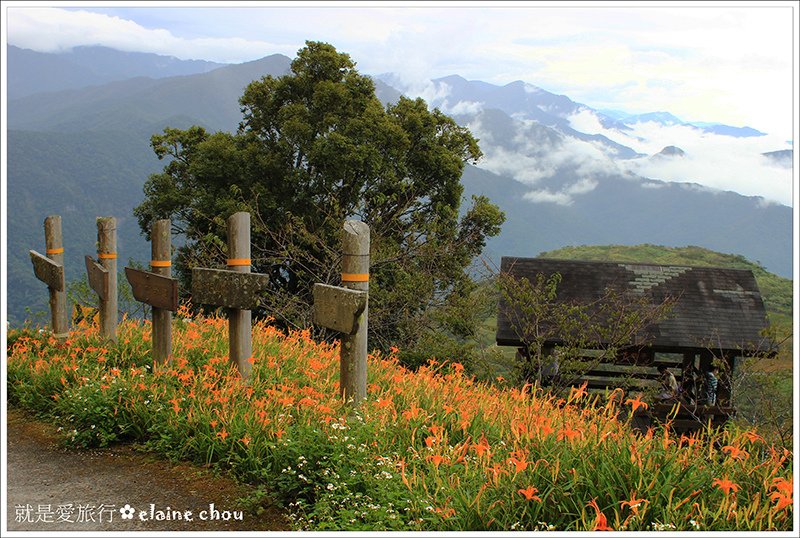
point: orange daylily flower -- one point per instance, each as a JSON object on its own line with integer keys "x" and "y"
{"x": 519, "y": 464}
{"x": 481, "y": 447}
{"x": 783, "y": 494}
{"x": 634, "y": 503}
{"x": 222, "y": 435}
{"x": 735, "y": 452}
{"x": 245, "y": 440}
{"x": 726, "y": 485}
{"x": 430, "y": 441}
{"x": 436, "y": 459}
{"x": 578, "y": 392}
{"x": 568, "y": 433}
{"x": 601, "y": 523}
{"x": 753, "y": 436}
{"x": 412, "y": 412}
{"x": 784, "y": 486}
{"x": 636, "y": 403}
{"x": 530, "y": 493}
{"x": 446, "y": 512}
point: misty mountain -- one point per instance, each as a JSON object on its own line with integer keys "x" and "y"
{"x": 671, "y": 152}
{"x": 84, "y": 153}
{"x": 628, "y": 211}
{"x": 147, "y": 105}
{"x": 782, "y": 158}
{"x": 80, "y": 67}
{"x": 667, "y": 119}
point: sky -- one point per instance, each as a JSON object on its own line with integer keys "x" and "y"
{"x": 724, "y": 62}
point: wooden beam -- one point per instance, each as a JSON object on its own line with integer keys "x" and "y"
{"x": 158, "y": 291}
{"x": 338, "y": 308}
{"x": 98, "y": 278}
{"x": 228, "y": 288}
{"x": 48, "y": 271}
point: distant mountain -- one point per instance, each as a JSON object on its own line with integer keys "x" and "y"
{"x": 783, "y": 157}
{"x": 38, "y": 72}
{"x": 671, "y": 151}
{"x": 727, "y": 130}
{"x": 630, "y": 211}
{"x": 85, "y": 152}
{"x": 147, "y": 105}
{"x": 523, "y": 102}
{"x": 664, "y": 118}
{"x": 667, "y": 119}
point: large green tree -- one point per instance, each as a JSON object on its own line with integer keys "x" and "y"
{"x": 314, "y": 148}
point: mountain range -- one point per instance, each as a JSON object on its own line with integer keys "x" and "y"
{"x": 81, "y": 149}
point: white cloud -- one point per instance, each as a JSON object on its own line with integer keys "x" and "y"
{"x": 48, "y": 29}
{"x": 533, "y": 160}
{"x": 463, "y": 107}
{"x": 546, "y": 196}
{"x": 582, "y": 187}
{"x": 716, "y": 161}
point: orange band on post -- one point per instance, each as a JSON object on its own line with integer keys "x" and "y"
{"x": 233, "y": 262}
{"x": 107, "y": 255}
{"x": 160, "y": 263}
{"x": 355, "y": 277}
{"x": 55, "y": 250}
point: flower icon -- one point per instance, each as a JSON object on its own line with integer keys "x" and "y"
{"x": 127, "y": 511}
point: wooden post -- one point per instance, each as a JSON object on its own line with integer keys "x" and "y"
{"x": 240, "y": 328}
{"x": 54, "y": 248}
{"x": 160, "y": 264}
{"x": 107, "y": 257}
{"x": 355, "y": 276}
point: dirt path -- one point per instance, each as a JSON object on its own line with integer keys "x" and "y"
{"x": 57, "y": 489}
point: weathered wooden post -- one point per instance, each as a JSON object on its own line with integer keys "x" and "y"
{"x": 103, "y": 275}
{"x": 240, "y": 321}
{"x": 50, "y": 270}
{"x": 237, "y": 289}
{"x": 345, "y": 309}
{"x": 158, "y": 289}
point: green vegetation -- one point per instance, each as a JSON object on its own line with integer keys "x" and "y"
{"x": 431, "y": 450}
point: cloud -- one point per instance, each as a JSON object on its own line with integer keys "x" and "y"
{"x": 719, "y": 162}
{"x": 546, "y": 196}
{"x": 538, "y": 157}
{"x": 463, "y": 107}
{"x": 47, "y": 29}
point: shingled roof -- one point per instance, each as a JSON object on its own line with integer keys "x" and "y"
{"x": 715, "y": 308}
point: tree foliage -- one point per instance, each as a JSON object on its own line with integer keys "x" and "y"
{"x": 556, "y": 334}
{"x": 314, "y": 148}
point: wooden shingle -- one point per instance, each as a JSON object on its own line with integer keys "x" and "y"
{"x": 715, "y": 308}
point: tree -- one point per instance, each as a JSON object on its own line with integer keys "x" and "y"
{"x": 315, "y": 148}
{"x": 555, "y": 334}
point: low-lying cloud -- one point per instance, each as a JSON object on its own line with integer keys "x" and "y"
{"x": 532, "y": 158}
{"x": 719, "y": 162}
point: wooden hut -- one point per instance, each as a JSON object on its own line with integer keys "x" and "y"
{"x": 717, "y": 315}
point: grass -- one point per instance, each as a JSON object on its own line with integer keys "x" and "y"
{"x": 428, "y": 450}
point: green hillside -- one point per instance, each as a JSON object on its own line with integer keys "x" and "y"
{"x": 775, "y": 290}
